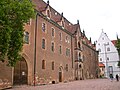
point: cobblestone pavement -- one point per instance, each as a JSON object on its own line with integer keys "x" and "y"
{"x": 91, "y": 84}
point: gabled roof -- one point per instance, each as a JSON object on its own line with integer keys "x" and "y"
{"x": 114, "y": 42}
{"x": 55, "y": 16}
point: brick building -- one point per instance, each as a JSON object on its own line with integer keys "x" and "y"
{"x": 55, "y": 50}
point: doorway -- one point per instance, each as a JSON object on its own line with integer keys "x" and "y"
{"x": 20, "y": 73}
{"x": 60, "y": 74}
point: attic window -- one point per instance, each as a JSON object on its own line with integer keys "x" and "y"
{"x": 48, "y": 13}
{"x": 62, "y": 23}
{"x": 55, "y": 13}
{"x": 69, "y": 23}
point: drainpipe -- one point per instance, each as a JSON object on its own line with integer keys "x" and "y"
{"x": 35, "y": 39}
{"x": 72, "y": 51}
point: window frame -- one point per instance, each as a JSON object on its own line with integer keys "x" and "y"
{"x": 52, "y": 32}
{"x": 53, "y": 65}
{"x": 43, "y": 64}
{"x": 43, "y": 43}
{"x": 43, "y": 27}
{"x": 26, "y": 37}
{"x": 52, "y": 46}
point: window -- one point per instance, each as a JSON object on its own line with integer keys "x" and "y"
{"x": 67, "y": 52}
{"x": 100, "y": 59}
{"x": 52, "y": 47}
{"x": 53, "y": 32}
{"x": 48, "y": 13}
{"x": 108, "y": 49}
{"x": 66, "y": 67}
{"x": 43, "y": 27}
{"x": 79, "y": 44}
{"x": 43, "y": 43}
{"x": 43, "y": 64}
{"x": 62, "y": 24}
{"x": 66, "y": 38}
{"x": 53, "y": 64}
{"x": 60, "y": 50}
{"x": 99, "y": 50}
{"x": 29, "y": 22}
{"x": 110, "y": 70}
{"x": 83, "y": 57}
{"x": 108, "y": 58}
{"x": 26, "y": 37}
{"x": 79, "y": 57}
{"x": 60, "y": 36}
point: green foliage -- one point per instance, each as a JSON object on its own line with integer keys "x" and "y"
{"x": 13, "y": 16}
{"x": 118, "y": 45}
{"x": 119, "y": 64}
{"x": 118, "y": 48}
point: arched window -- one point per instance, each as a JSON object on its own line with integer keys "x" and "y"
{"x": 43, "y": 27}
{"x": 48, "y": 13}
{"x": 53, "y": 32}
{"x": 79, "y": 57}
{"x": 66, "y": 67}
{"x": 62, "y": 24}
{"x": 53, "y": 65}
{"x": 26, "y": 37}
{"x": 60, "y": 49}
{"x": 43, "y": 64}
{"x": 79, "y": 44}
{"x": 60, "y": 36}
{"x": 43, "y": 43}
{"x": 52, "y": 47}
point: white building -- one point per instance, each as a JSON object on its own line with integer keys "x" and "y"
{"x": 108, "y": 55}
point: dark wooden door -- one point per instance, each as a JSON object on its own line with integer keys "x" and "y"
{"x": 21, "y": 73}
{"x": 60, "y": 76}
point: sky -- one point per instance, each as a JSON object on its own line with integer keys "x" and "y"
{"x": 93, "y": 15}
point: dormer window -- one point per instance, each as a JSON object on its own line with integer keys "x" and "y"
{"x": 62, "y": 24}
{"x": 48, "y": 13}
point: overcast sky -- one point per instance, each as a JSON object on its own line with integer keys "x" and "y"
{"x": 93, "y": 15}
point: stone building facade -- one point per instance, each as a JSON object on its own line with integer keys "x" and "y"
{"x": 55, "y": 50}
{"x": 108, "y": 55}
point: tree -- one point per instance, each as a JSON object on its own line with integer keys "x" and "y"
{"x": 118, "y": 48}
{"x": 13, "y": 16}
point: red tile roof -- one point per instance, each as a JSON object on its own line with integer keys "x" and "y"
{"x": 41, "y": 6}
{"x": 101, "y": 65}
{"x": 114, "y": 42}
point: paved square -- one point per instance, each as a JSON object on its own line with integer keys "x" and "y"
{"x": 91, "y": 84}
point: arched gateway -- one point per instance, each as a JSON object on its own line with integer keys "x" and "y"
{"x": 20, "y": 72}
